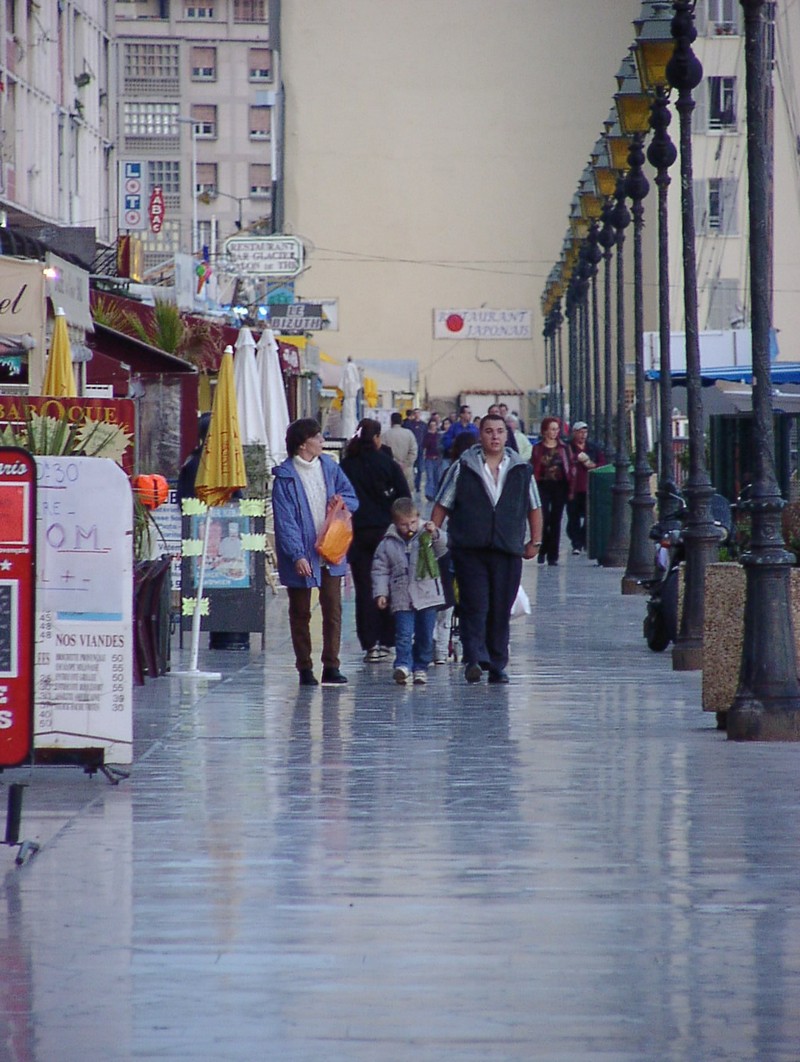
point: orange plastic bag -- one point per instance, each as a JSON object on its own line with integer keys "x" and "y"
{"x": 336, "y": 534}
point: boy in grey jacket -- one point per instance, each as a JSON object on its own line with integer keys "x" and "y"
{"x": 405, "y": 578}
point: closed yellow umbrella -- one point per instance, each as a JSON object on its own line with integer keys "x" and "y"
{"x": 221, "y": 472}
{"x": 59, "y": 377}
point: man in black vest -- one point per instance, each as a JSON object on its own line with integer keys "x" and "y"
{"x": 494, "y": 521}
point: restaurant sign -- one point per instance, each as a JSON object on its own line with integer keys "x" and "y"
{"x": 17, "y": 593}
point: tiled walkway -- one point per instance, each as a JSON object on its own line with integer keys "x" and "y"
{"x": 574, "y": 868}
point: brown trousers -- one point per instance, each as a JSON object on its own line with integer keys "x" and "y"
{"x": 330, "y": 603}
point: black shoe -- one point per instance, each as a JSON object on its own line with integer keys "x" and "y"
{"x": 552, "y": 564}
{"x": 540, "y": 558}
{"x": 500, "y": 677}
{"x": 307, "y": 677}
{"x": 472, "y": 673}
{"x": 332, "y": 676}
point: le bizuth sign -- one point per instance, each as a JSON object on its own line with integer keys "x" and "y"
{"x": 265, "y": 256}
{"x": 297, "y": 317}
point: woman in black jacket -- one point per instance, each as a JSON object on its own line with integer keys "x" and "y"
{"x": 378, "y": 480}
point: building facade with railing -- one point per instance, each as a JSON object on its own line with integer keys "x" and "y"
{"x": 57, "y": 117}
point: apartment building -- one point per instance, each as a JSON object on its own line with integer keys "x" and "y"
{"x": 57, "y": 119}
{"x": 198, "y": 106}
{"x": 719, "y": 142}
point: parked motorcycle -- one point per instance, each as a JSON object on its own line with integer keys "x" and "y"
{"x": 661, "y": 618}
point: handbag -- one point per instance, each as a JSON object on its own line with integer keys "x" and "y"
{"x": 336, "y": 534}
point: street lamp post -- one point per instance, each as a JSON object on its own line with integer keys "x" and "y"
{"x": 661, "y": 154}
{"x": 558, "y": 321}
{"x": 640, "y": 559}
{"x": 208, "y": 197}
{"x": 767, "y": 702}
{"x": 608, "y": 238}
{"x": 594, "y": 256}
{"x": 619, "y": 535}
{"x": 701, "y": 538}
{"x": 195, "y": 228}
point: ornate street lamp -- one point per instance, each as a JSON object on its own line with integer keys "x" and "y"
{"x": 607, "y": 238}
{"x": 661, "y": 154}
{"x": 591, "y": 207}
{"x": 653, "y": 50}
{"x": 684, "y": 73}
{"x": 619, "y": 536}
{"x": 633, "y": 108}
{"x": 594, "y": 256}
{"x": 767, "y": 703}
{"x": 558, "y": 321}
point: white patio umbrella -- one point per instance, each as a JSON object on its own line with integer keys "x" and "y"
{"x": 252, "y": 428}
{"x": 273, "y": 395}
{"x": 349, "y": 385}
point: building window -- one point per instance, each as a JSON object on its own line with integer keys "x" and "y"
{"x": 207, "y": 178}
{"x": 260, "y": 64}
{"x": 167, "y": 174}
{"x": 162, "y": 244}
{"x": 151, "y": 119}
{"x": 151, "y": 60}
{"x": 204, "y": 116}
{"x": 260, "y": 180}
{"x": 724, "y": 306}
{"x": 723, "y": 17}
{"x": 204, "y": 64}
{"x": 249, "y": 10}
{"x": 715, "y": 206}
{"x": 205, "y": 11}
{"x": 722, "y": 103}
{"x": 259, "y": 123}
{"x": 205, "y": 233}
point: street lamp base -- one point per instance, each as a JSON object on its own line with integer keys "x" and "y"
{"x": 687, "y": 656}
{"x": 631, "y": 585}
{"x": 753, "y": 720}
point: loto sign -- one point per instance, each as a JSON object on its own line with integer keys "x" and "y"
{"x": 265, "y": 256}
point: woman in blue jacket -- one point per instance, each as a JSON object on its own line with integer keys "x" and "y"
{"x": 304, "y": 488}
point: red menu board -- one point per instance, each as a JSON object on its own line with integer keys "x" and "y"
{"x": 17, "y": 569}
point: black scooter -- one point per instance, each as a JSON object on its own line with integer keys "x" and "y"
{"x": 661, "y": 618}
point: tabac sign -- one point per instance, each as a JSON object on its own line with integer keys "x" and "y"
{"x": 265, "y": 256}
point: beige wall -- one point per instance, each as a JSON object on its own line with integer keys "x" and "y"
{"x": 432, "y": 148}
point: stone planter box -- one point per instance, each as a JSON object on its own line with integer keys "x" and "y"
{"x": 723, "y": 632}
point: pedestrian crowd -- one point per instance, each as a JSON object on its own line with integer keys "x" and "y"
{"x": 496, "y": 499}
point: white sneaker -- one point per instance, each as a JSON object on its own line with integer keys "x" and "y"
{"x": 420, "y": 678}
{"x": 440, "y": 658}
{"x": 401, "y": 675}
{"x": 373, "y": 655}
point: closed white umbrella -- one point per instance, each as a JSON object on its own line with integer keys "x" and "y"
{"x": 273, "y": 395}
{"x": 349, "y": 385}
{"x": 252, "y": 428}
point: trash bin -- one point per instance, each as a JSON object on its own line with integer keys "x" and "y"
{"x": 598, "y": 510}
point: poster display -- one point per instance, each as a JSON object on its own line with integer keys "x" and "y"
{"x": 17, "y": 567}
{"x": 84, "y": 608}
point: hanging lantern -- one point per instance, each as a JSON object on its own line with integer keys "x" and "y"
{"x": 151, "y": 490}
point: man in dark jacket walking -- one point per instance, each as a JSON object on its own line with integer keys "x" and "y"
{"x": 494, "y": 521}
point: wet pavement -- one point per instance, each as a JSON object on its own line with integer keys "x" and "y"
{"x": 575, "y": 867}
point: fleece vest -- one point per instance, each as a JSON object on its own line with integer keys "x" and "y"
{"x": 474, "y": 523}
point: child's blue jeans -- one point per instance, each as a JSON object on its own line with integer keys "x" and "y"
{"x": 413, "y": 638}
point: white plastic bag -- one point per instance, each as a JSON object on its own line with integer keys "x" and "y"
{"x": 521, "y": 606}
